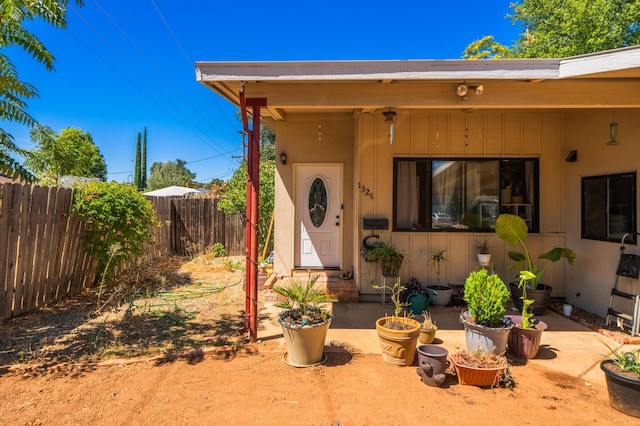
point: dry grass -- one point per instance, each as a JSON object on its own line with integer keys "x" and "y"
{"x": 164, "y": 306}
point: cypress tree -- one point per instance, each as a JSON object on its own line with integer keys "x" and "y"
{"x": 143, "y": 166}
{"x": 137, "y": 175}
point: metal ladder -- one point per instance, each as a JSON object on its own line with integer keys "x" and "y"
{"x": 628, "y": 267}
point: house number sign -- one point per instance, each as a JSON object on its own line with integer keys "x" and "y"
{"x": 366, "y": 191}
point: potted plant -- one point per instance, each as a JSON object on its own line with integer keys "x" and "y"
{"x": 304, "y": 320}
{"x": 622, "y": 373}
{"x": 485, "y": 324}
{"x": 388, "y": 257}
{"x": 513, "y": 230}
{"x": 524, "y": 338}
{"x": 484, "y": 255}
{"x": 428, "y": 329}
{"x": 480, "y": 368}
{"x": 441, "y": 293}
{"x": 398, "y": 334}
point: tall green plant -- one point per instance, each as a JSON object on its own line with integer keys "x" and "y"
{"x": 143, "y": 161}
{"x": 137, "y": 173}
{"x": 513, "y": 230}
{"x": 117, "y": 216}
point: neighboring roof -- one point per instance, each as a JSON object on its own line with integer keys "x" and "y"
{"x": 70, "y": 181}
{"x": 341, "y": 86}
{"x": 175, "y": 191}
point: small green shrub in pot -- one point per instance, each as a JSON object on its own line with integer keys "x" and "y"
{"x": 486, "y": 296}
{"x": 389, "y": 258}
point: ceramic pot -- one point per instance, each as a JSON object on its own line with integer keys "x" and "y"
{"x": 427, "y": 336}
{"x": 484, "y": 259}
{"x": 398, "y": 346}
{"x": 624, "y": 392}
{"x": 305, "y": 345}
{"x": 541, "y": 297}
{"x": 432, "y": 363}
{"x": 441, "y": 294}
{"x": 487, "y": 339}
{"x": 525, "y": 342}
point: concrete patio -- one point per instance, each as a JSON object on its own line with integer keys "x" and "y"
{"x": 567, "y": 346}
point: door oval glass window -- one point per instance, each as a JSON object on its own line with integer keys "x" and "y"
{"x": 318, "y": 202}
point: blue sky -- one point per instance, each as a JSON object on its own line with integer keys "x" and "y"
{"x": 122, "y": 65}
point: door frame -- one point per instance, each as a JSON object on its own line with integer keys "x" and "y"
{"x": 296, "y": 234}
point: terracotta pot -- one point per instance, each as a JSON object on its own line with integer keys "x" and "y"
{"x": 624, "y": 392}
{"x": 476, "y": 376}
{"x": 398, "y": 346}
{"x": 541, "y": 297}
{"x": 525, "y": 342}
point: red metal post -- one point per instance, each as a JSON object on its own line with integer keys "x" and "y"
{"x": 253, "y": 187}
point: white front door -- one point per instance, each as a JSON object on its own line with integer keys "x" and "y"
{"x": 318, "y": 194}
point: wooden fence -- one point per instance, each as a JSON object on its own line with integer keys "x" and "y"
{"x": 42, "y": 256}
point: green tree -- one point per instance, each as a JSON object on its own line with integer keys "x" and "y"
{"x": 137, "y": 173}
{"x": 170, "y": 174}
{"x": 562, "y": 28}
{"x": 14, "y": 92}
{"x": 233, "y": 197}
{"x": 143, "y": 160}
{"x": 72, "y": 153}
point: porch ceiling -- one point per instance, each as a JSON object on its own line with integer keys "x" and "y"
{"x": 602, "y": 80}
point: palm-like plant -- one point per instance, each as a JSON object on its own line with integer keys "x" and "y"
{"x": 14, "y": 92}
{"x": 302, "y": 302}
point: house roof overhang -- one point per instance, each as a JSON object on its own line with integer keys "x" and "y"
{"x": 609, "y": 79}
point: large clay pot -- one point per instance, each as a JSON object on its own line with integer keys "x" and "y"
{"x": 525, "y": 342}
{"x": 305, "y": 345}
{"x": 398, "y": 346}
{"x": 541, "y": 297}
{"x": 624, "y": 392}
{"x": 487, "y": 339}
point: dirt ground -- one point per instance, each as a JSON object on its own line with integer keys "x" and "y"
{"x": 172, "y": 306}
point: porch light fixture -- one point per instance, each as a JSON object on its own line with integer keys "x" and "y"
{"x": 613, "y": 131}
{"x": 388, "y": 118}
{"x": 283, "y": 158}
{"x": 463, "y": 91}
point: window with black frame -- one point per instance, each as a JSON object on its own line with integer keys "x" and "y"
{"x": 463, "y": 194}
{"x": 609, "y": 207}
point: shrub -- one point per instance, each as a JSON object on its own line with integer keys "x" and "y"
{"x": 118, "y": 220}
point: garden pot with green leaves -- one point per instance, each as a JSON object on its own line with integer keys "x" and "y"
{"x": 525, "y": 336}
{"x": 305, "y": 320}
{"x": 398, "y": 333}
{"x": 622, "y": 373}
{"x": 513, "y": 231}
{"x": 486, "y": 327}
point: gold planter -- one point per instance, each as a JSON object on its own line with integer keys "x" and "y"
{"x": 398, "y": 345}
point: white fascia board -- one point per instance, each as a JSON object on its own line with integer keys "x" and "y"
{"x": 518, "y": 69}
{"x": 600, "y": 62}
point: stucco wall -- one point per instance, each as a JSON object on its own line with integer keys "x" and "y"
{"x": 590, "y": 280}
{"x": 327, "y": 138}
